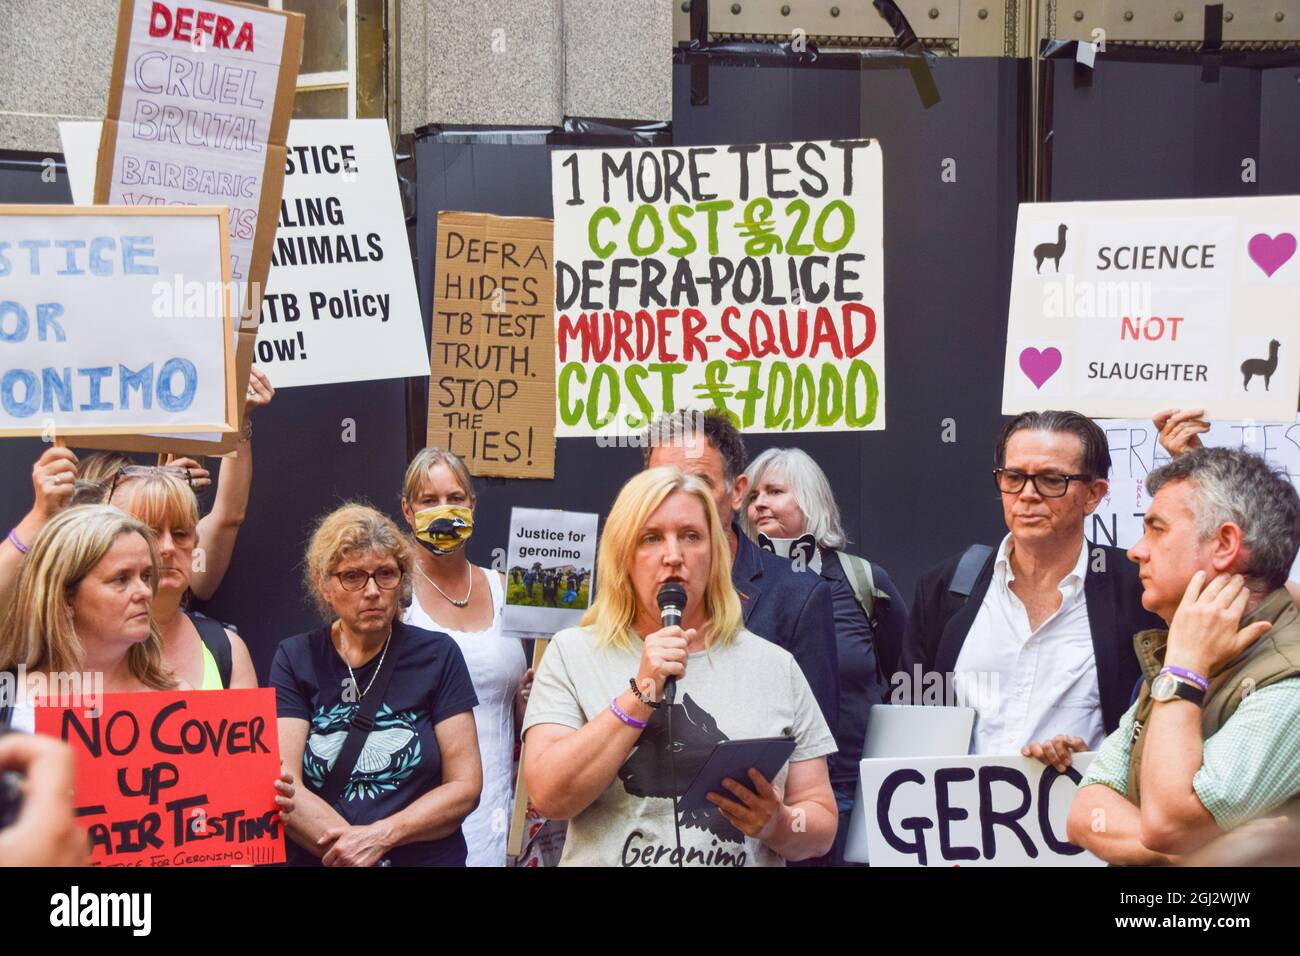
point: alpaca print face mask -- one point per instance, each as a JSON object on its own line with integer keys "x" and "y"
{"x": 444, "y": 529}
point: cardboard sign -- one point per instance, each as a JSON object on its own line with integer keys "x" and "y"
{"x": 341, "y": 303}
{"x": 1135, "y": 452}
{"x": 747, "y": 278}
{"x": 115, "y": 321}
{"x": 198, "y": 107}
{"x": 1122, "y": 308}
{"x": 550, "y": 569}
{"x": 970, "y": 811}
{"x": 491, "y": 364}
{"x": 176, "y": 778}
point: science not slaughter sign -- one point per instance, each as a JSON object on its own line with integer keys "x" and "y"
{"x": 1122, "y": 308}
{"x": 172, "y": 778}
{"x": 747, "y": 277}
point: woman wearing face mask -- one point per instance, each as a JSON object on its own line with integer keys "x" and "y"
{"x": 465, "y": 601}
{"x": 791, "y": 511}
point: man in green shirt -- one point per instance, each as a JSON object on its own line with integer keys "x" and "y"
{"x": 1214, "y": 738}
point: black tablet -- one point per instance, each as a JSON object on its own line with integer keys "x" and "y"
{"x": 733, "y": 758}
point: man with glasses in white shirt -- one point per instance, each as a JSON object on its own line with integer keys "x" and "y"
{"x": 1037, "y": 634}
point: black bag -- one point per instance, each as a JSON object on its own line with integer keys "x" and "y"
{"x": 363, "y": 721}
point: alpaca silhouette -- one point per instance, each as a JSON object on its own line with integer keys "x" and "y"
{"x": 1050, "y": 250}
{"x": 1265, "y": 367}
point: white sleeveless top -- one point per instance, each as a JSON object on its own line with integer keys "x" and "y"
{"x": 496, "y": 666}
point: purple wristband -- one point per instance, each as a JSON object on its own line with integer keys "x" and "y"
{"x": 626, "y": 718}
{"x": 1192, "y": 676}
{"x": 13, "y": 539}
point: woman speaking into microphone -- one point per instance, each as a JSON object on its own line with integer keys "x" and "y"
{"x": 597, "y": 746}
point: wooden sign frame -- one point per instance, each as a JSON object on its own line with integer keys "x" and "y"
{"x": 220, "y": 213}
{"x": 268, "y": 211}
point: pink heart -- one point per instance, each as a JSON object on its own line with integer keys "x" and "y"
{"x": 1271, "y": 253}
{"x": 1040, "y": 366}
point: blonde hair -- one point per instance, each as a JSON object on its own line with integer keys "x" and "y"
{"x": 101, "y": 467}
{"x": 159, "y": 499}
{"x": 615, "y": 607}
{"x": 419, "y": 468}
{"x": 353, "y": 528}
{"x": 38, "y": 632}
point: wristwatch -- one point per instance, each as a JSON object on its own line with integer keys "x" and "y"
{"x": 1167, "y": 687}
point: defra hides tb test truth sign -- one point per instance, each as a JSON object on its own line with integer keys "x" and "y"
{"x": 748, "y": 278}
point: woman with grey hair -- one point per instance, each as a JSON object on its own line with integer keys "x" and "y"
{"x": 791, "y": 511}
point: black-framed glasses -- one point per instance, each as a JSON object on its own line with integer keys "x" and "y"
{"x": 1011, "y": 482}
{"x": 355, "y": 579}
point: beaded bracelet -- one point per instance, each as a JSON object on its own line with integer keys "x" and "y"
{"x": 13, "y": 539}
{"x": 626, "y": 718}
{"x": 653, "y": 704}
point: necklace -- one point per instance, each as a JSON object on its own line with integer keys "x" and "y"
{"x": 382, "y": 655}
{"x": 468, "y": 592}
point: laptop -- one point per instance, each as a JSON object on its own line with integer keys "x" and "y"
{"x": 906, "y": 730}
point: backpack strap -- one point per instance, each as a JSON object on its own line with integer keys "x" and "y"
{"x": 968, "y": 570}
{"x": 862, "y": 581}
{"x": 216, "y": 640}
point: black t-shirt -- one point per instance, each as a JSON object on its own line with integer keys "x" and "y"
{"x": 400, "y": 761}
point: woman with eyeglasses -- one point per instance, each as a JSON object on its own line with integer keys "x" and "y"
{"x": 378, "y": 713}
{"x": 59, "y": 479}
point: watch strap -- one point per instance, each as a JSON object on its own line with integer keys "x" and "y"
{"x": 1183, "y": 689}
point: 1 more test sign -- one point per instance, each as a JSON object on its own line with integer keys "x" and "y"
{"x": 970, "y": 811}
{"x": 1119, "y": 309}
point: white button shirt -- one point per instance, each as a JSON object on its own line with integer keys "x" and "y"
{"x": 1028, "y": 685}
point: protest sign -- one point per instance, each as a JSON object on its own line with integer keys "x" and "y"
{"x": 341, "y": 303}
{"x": 491, "y": 367}
{"x": 1135, "y": 451}
{"x": 92, "y": 340}
{"x": 198, "y": 106}
{"x": 550, "y": 564}
{"x": 748, "y": 278}
{"x": 1122, "y": 308}
{"x": 970, "y": 811}
{"x": 172, "y": 778}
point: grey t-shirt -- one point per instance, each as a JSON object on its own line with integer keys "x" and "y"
{"x": 749, "y": 688}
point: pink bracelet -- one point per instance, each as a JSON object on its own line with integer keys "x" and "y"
{"x": 626, "y": 718}
{"x": 13, "y": 539}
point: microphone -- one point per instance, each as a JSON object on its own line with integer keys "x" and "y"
{"x": 672, "y": 602}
